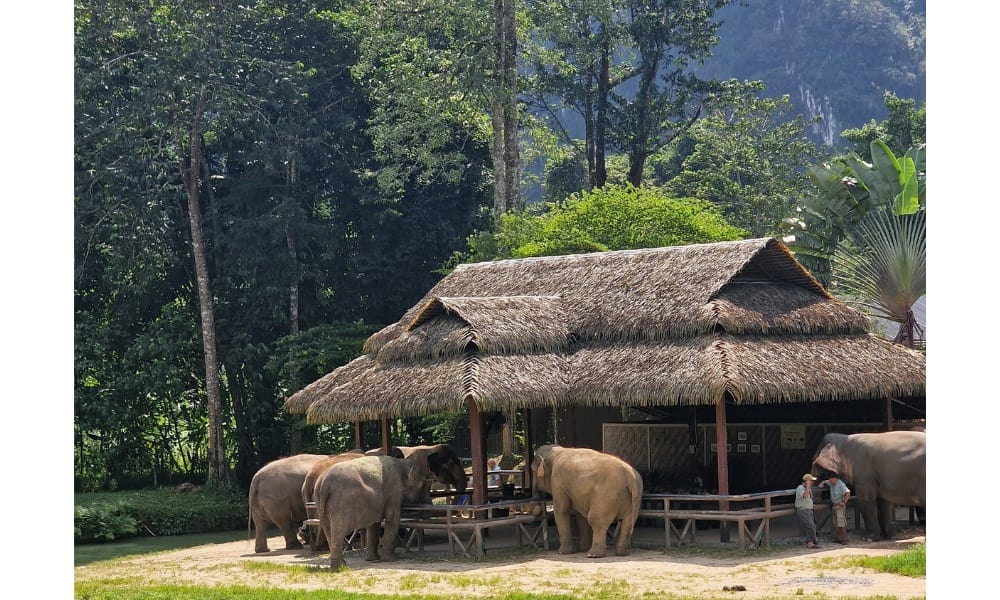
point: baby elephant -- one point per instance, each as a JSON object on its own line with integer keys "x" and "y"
{"x": 360, "y": 493}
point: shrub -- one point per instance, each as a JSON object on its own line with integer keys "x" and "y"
{"x": 102, "y": 523}
{"x": 113, "y": 515}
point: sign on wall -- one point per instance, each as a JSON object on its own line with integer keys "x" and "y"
{"x": 793, "y": 437}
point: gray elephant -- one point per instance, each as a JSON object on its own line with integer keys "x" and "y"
{"x": 883, "y": 469}
{"x": 361, "y": 494}
{"x": 309, "y": 483}
{"x": 596, "y": 489}
{"x": 276, "y": 497}
{"x": 442, "y": 461}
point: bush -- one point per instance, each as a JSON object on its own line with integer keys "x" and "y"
{"x": 101, "y": 523}
{"x": 108, "y": 516}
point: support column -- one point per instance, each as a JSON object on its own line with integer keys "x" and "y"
{"x": 478, "y": 452}
{"x": 385, "y": 435}
{"x": 721, "y": 440}
{"x": 888, "y": 414}
{"x": 357, "y": 435}
{"x": 529, "y": 450}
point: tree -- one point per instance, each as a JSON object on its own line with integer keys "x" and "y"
{"x": 748, "y": 159}
{"x": 625, "y": 70}
{"x": 173, "y": 79}
{"x": 866, "y": 231}
{"x": 905, "y": 127}
{"x": 431, "y": 69}
{"x": 613, "y": 218}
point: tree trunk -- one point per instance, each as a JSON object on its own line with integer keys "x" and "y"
{"x": 600, "y": 126}
{"x": 644, "y": 126}
{"x": 511, "y": 155}
{"x": 497, "y": 148}
{"x": 218, "y": 470}
{"x": 291, "y": 240}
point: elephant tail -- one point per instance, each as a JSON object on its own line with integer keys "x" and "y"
{"x": 635, "y": 490}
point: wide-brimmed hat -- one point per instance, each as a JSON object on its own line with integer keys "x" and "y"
{"x": 808, "y": 477}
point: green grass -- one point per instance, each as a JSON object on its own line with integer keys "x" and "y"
{"x": 911, "y": 562}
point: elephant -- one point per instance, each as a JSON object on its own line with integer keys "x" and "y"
{"x": 309, "y": 483}
{"x": 361, "y": 493}
{"x": 276, "y": 497}
{"x": 595, "y": 489}
{"x": 882, "y": 469}
{"x": 442, "y": 461}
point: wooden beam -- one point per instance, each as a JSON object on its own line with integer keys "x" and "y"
{"x": 721, "y": 441}
{"x": 385, "y": 435}
{"x": 888, "y": 414}
{"x": 478, "y": 452}
{"x": 357, "y": 434}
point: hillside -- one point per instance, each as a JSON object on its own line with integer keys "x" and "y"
{"x": 834, "y": 58}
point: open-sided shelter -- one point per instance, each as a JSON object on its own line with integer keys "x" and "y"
{"x": 708, "y": 324}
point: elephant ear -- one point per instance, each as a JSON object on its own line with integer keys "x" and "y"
{"x": 540, "y": 469}
{"x": 828, "y": 458}
{"x": 437, "y": 458}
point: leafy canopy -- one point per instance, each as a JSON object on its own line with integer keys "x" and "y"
{"x": 610, "y": 218}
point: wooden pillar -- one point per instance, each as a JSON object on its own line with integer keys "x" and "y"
{"x": 888, "y": 414}
{"x": 357, "y": 435}
{"x": 385, "y": 435}
{"x": 721, "y": 441}
{"x": 529, "y": 450}
{"x": 478, "y": 452}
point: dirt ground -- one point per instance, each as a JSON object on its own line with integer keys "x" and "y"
{"x": 784, "y": 570}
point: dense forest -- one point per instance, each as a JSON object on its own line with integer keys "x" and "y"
{"x": 258, "y": 187}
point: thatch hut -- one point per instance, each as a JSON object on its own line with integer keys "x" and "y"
{"x": 708, "y": 324}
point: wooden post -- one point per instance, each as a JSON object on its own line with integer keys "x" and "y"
{"x": 357, "y": 435}
{"x": 888, "y": 414}
{"x": 721, "y": 440}
{"x": 529, "y": 450}
{"x": 385, "y": 435}
{"x": 478, "y": 452}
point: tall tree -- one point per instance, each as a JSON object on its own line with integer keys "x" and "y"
{"x": 749, "y": 159}
{"x": 431, "y": 69}
{"x": 625, "y": 68}
{"x": 190, "y": 72}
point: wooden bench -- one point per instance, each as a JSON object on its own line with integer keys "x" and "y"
{"x": 745, "y": 518}
{"x": 464, "y": 524}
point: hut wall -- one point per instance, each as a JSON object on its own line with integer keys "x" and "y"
{"x": 681, "y": 458}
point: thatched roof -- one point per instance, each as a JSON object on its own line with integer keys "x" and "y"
{"x": 653, "y": 327}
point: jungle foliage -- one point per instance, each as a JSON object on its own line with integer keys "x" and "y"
{"x": 306, "y": 170}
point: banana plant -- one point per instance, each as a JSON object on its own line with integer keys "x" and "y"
{"x": 893, "y": 182}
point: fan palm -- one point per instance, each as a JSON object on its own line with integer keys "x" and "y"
{"x": 883, "y": 268}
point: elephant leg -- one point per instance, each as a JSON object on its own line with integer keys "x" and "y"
{"x": 623, "y": 541}
{"x": 598, "y": 537}
{"x": 337, "y": 561}
{"x": 586, "y": 538}
{"x": 564, "y": 526}
{"x": 870, "y": 513}
{"x": 371, "y": 541}
{"x": 290, "y": 531}
{"x": 390, "y": 530}
{"x": 887, "y": 518}
{"x": 260, "y": 523}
